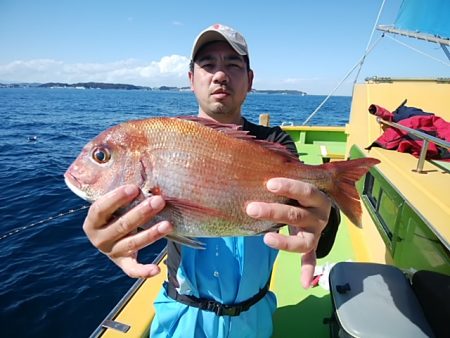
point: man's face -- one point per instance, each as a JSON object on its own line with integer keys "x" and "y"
{"x": 220, "y": 81}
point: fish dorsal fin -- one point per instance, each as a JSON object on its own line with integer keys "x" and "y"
{"x": 279, "y": 149}
{"x": 231, "y": 129}
{"x": 236, "y": 131}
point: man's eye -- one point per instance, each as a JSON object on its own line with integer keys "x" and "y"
{"x": 235, "y": 65}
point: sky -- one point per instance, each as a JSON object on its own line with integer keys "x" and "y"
{"x": 307, "y": 45}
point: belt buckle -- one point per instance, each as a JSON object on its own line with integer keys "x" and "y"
{"x": 222, "y": 309}
{"x": 227, "y": 310}
{"x": 214, "y": 307}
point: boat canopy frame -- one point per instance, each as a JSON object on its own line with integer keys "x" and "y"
{"x": 417, "y": 35}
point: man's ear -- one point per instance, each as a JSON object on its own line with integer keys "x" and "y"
{"x": 250, "y": 80}
{"x": 191, "y": 79}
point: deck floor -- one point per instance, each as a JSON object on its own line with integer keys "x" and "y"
{"x": 300, "y": 311}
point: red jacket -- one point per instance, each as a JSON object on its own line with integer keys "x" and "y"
{"x": 433, "y": 125}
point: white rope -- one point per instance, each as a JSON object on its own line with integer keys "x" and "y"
{"x": 418, "y": 51}
{"x": 25, "y": 227}
{"x": 360, "y": 64}
{"x": 339, "y": 84}
{"x": 370, "y": 38}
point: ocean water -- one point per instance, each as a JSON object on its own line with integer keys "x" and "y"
{"x": 53, "y": 283}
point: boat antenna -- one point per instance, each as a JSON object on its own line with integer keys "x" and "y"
{"x": 25, "y": 227}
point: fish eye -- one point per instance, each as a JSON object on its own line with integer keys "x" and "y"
{"x": 101, "y": 155}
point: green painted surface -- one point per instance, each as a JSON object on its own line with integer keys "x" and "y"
{"x": 417, "y": 246}
{"x": 308, "y": 136}
{"x": 443, "y": 165}
{"x": 310, "y": 153}
{"x": 332, "y": 147}
{"x": 308, "y": 143}
{"x": 301, "y": 312}
{"x": 407, "y": 236}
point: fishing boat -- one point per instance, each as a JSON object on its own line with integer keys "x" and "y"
{"x": 405, "y": 199}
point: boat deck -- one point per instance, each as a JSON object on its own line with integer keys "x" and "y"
{"x": 300, "y": 309}
{"x": 307, "y": 309}
{"x": 404, "y": 224}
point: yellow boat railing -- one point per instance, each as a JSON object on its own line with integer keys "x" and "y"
{"x": 111, "y": 321}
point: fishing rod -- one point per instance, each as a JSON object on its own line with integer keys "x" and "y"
{"x": 51, "y": 218}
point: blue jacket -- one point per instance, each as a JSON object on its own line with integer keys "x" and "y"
{"x": 230, "y": 270}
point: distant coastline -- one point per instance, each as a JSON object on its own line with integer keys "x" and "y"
{"x": 102, "y": 85}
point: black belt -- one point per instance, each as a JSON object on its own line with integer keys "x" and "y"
{"x": 213, "y": 306}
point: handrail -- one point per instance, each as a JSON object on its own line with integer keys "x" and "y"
{"x": 108, "y": 322}
{"x": 425, "y": 137}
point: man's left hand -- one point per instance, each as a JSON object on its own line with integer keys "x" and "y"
{"x": 306, "y": 222}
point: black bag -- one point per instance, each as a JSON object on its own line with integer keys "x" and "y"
{"x": 374, "y": 300}
{"x": 433, "y": 292}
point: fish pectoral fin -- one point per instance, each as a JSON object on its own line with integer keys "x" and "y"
{"x": 274, "y": 228}
{"x": 186, "y": 241}
{"x": 189, "y": 208}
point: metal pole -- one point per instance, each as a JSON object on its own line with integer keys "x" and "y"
{"x": 423, "y": 154}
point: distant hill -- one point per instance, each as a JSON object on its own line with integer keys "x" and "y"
{"x": 19, "y": 85}
{"x": 279, "y": 91}
{"x": 93, "y": 85}
{"x": 102, "y": 85}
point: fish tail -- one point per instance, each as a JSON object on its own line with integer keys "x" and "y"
{"x": 342, "y": 189}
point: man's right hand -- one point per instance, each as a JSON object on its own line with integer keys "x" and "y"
{"x": 117, "y": 237}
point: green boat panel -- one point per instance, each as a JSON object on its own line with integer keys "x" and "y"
{"x": 417, "y": 247}
{"x": 409, "y": 239}
{"x": 309, "y": 135}
{"x": 310, "y": 153}
{"x": 309, "y": 141}
{"x": 443, "y": 165}
{"x": 335, "y": 148}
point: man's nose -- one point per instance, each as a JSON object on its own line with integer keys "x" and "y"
{"x": 220, "y": 76}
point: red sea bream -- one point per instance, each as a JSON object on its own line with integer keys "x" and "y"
{"x": 206, "y": 172}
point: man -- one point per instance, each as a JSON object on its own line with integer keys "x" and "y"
{"x": 234, "y": 271}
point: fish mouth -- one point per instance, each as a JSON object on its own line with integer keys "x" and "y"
{"x": 73, "y": 184}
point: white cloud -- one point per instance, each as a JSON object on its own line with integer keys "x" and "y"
{"x": 169, "y": 70}
{"x": 299, "y": 80}
{"x": 292, "y": 81}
